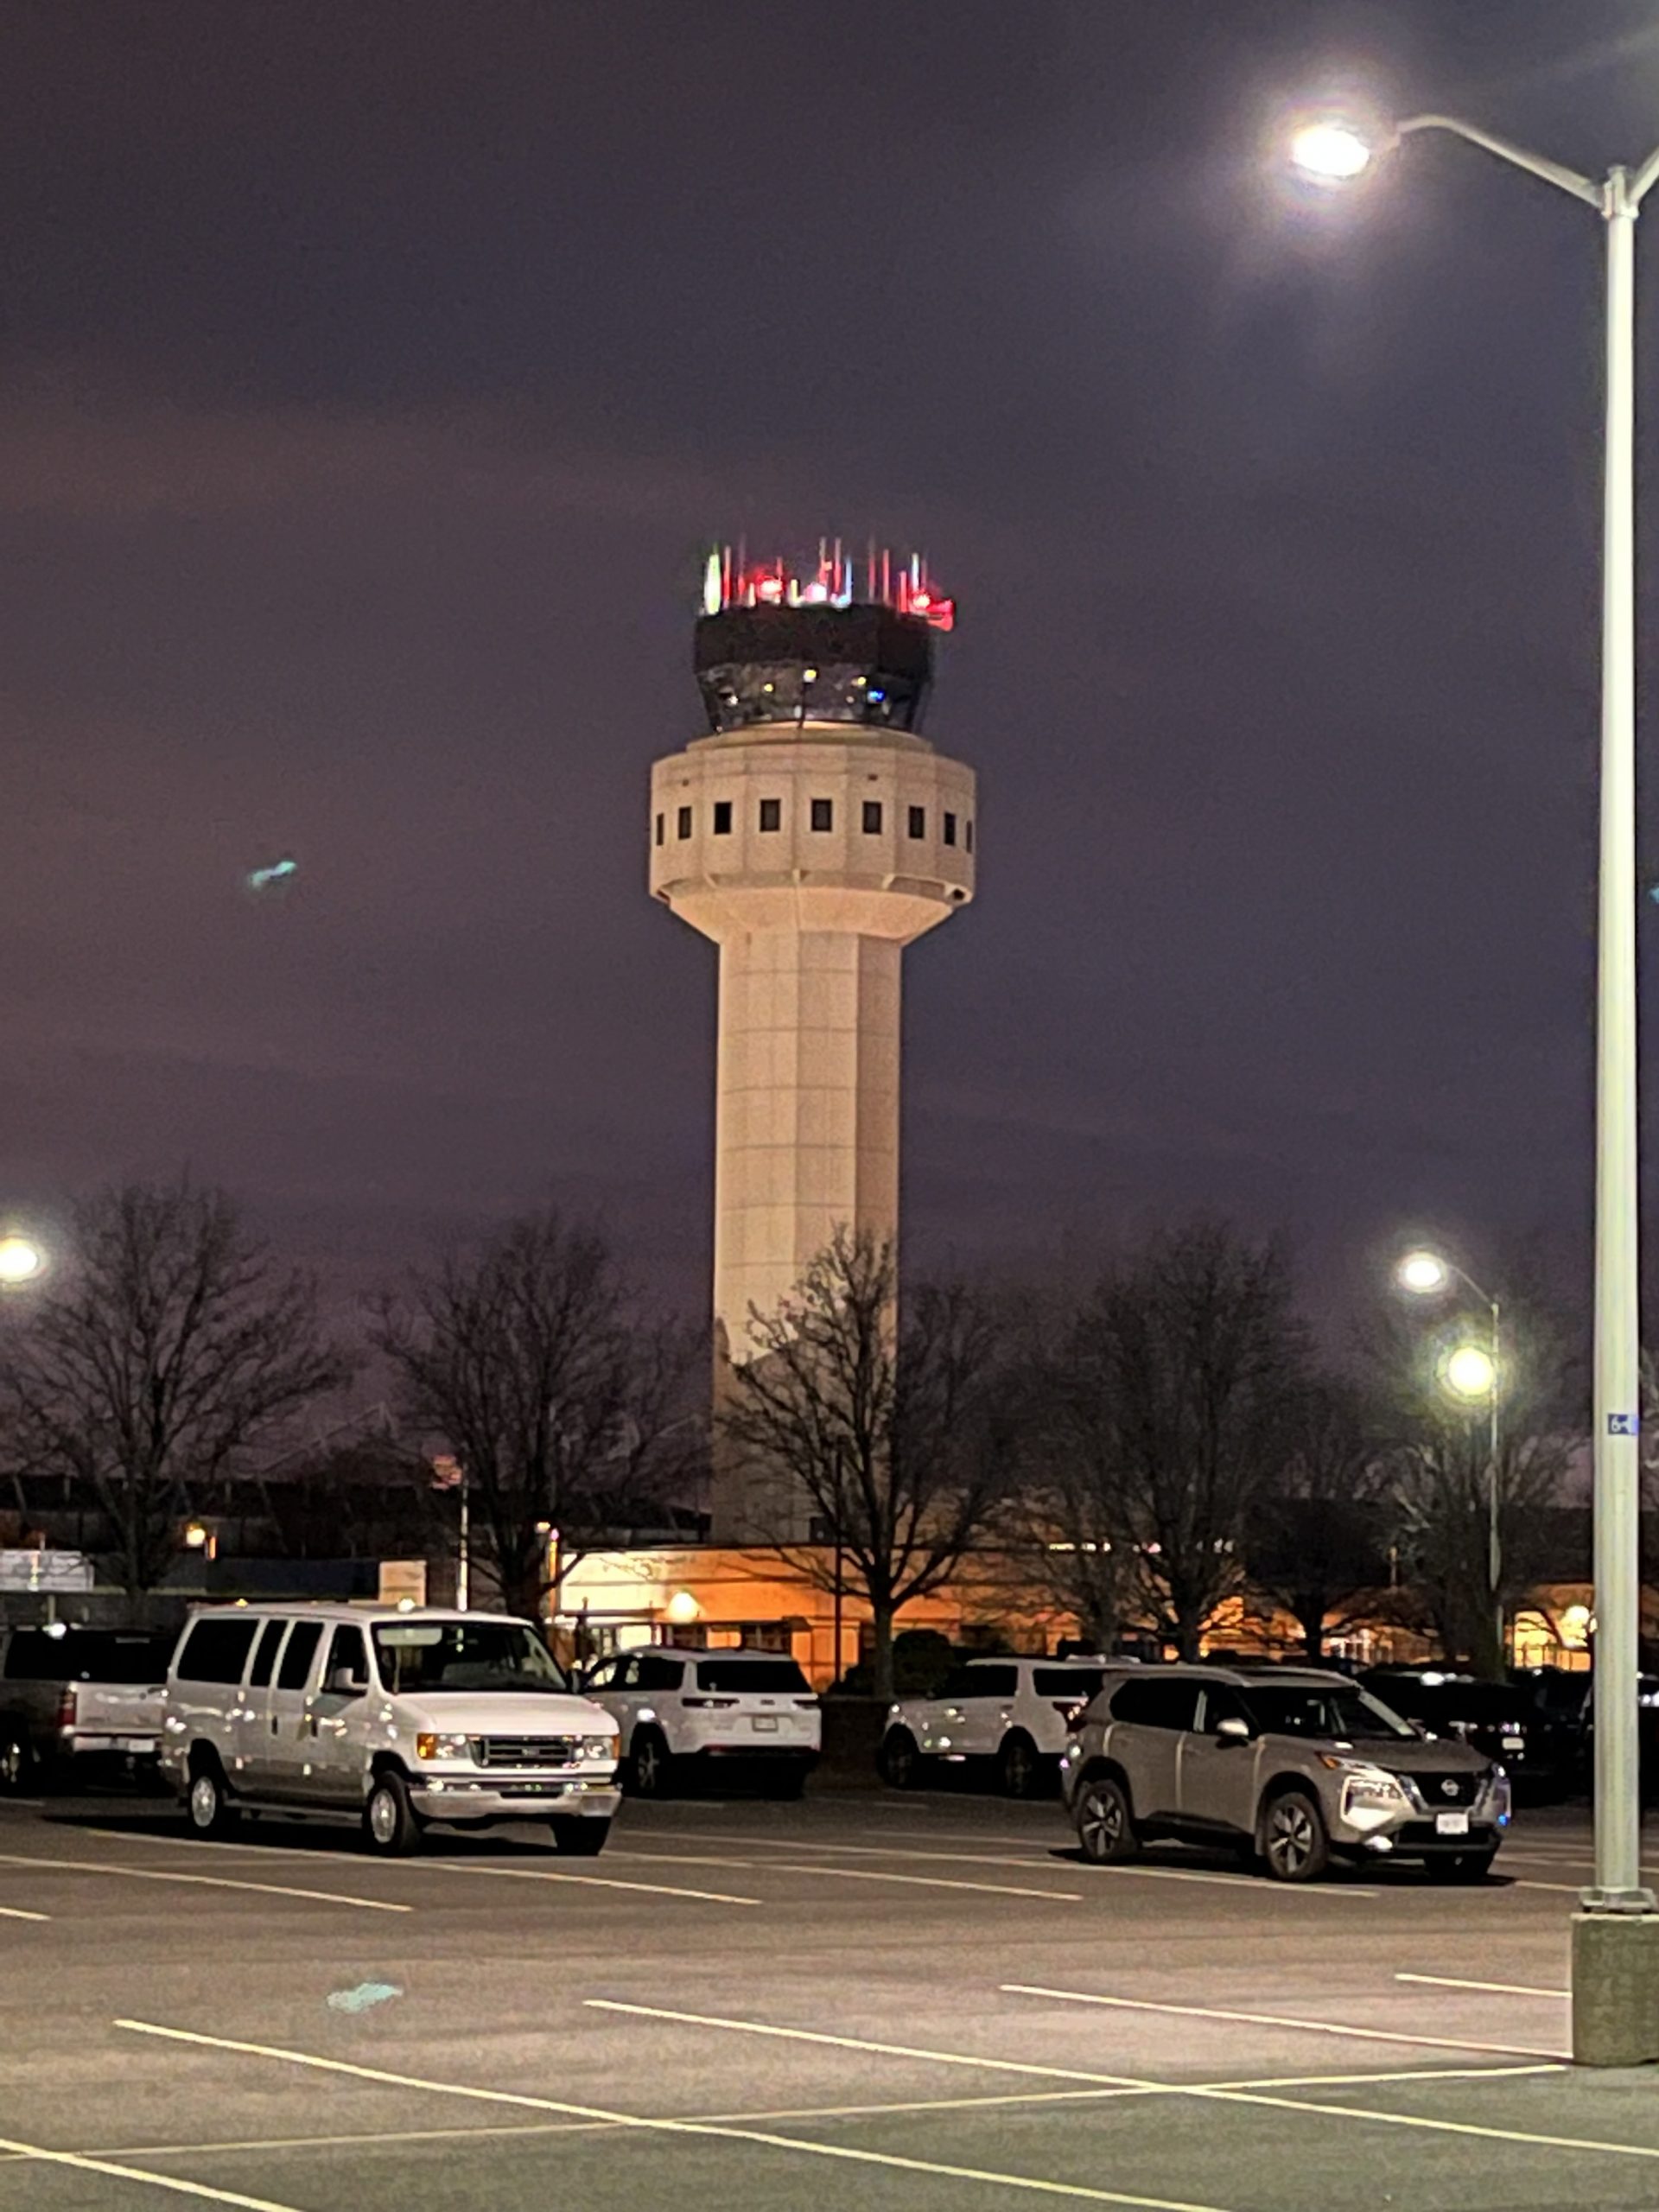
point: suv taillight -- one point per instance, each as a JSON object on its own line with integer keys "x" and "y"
{"x": 67, "y": 1709}
{"x": 1071, "y": 1709}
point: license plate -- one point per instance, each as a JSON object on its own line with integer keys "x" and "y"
{"x": 1450, "y": 1823}
{"x": 766, "y": 1722}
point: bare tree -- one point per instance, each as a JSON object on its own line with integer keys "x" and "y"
{"x": 565, "y": 1410}
{"x": 168, "y": 1342}
{"x": 1193, "y": 1359}
{"x": 1318, "y": 1539}
{"x": 1440, "y": 1465}
{"x": 885, "y": 1431}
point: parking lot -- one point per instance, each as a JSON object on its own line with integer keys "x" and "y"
{"x": 917, "y": 2001}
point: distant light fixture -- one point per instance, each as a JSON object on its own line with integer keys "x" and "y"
{"x": 1469, "y": 1372}
{"x": 1422, "y": 1273}
{"x": 21, "y": 1261}
{"x": 683, "y": 1608}
{"x": 1331, "y": 150}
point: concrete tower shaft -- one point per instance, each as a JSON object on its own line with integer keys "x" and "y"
{"x": 812, "y": 852}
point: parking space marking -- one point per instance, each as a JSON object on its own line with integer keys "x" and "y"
{"x": 210, "y": 1881}
{"x": 800, "y": 2146}
{"x": 16, "y": 1912}
{"x": 1217, "y": 2092}
{"x": 173, "y": 2183}
{"x": 1501, "y": 1988}
{"x": 919, "y": 1881}
{"x": 1276, "y": 2020}
{"x": 593, "y": 1881}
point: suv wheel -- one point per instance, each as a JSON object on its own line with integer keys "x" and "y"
{"x": 648, "y": 1764}
{"x": 16, "y": 1764}
{"x": 579, "y": 1839}
{"x": 899, "y": 1760}
{"x": 1017, "y": 1765}
{"x": 1105, "y": 1822}
{"x": 1294, "y": 1840}
{"x": 389, "y": 1825}
{"x": 208, "y": 1804}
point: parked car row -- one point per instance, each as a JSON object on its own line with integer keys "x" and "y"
{"x": 400, "y": 1719}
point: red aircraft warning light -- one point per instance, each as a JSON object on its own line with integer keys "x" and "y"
{"x": 905, "y": 586}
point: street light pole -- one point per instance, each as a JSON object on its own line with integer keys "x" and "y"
{"x": 1616, "y": 1938}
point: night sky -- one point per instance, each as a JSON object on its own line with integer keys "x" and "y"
{"x": 376, "y": 372}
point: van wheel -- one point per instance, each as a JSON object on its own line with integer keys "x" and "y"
{"x": 1105, "y": 1820}
{"x": 579, "y": 1839}
{"x": 1017, "y": 1765}
{"x": 1293, "y": 1839}
{"x": 16, "y": 1763}
{"x": 208, "y": 1806}
{"x": 389, "y": 1825}
{"x": 648, "y": 1764}
{"x": 899, "y": 1760}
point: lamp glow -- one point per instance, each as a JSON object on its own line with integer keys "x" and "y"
{"x": 1469, "y": 1372}
{"x": 21, "y": 1261}
{"x": 1330, "y": 151}
{"x": 1422, "y": 1273}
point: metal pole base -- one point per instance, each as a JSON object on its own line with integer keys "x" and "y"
{"x": 1616, "y": 1988}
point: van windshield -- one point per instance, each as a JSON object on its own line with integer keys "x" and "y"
{"x": 1340, "y": 1715}
{"x": 429, "y": 1655}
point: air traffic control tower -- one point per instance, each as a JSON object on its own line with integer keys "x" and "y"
{"x": 813, "y": 835}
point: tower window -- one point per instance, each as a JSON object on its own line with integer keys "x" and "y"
{"x": 919, "y": 821}
{"x": 772, "y": 814}
{"x": 872, "y": 818}
{"x": 970, "y": 836}
{"x": 950, "y": 828}
{"x": 823, "y": 814}
{"x": 723, "y": 818}
{"x": 684, "y": 822}
{"x": 660, "y": 826}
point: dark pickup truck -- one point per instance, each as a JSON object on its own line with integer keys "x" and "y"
{"x": 73, "y": 1699}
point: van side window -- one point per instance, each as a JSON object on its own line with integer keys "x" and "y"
{"x": 216, "y": 1650}
{"x": 297, "y": 1653}
{"x": 265, "y": 1655}
{"x": 347, "y": 1654}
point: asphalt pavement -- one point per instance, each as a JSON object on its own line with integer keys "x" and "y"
{"x": 923, "y": 2002}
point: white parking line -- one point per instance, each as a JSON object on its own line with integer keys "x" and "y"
{"x": 593, "y": 1881}
{"x": 173, "y": 2183}
{"x": 1276, "y": 2020}
{"x": 796, "y": 2146}
{"x": 1218, "y": 2092}
{"x": 16, "y": 1912}
{"x": 1501, "y": 1988}
{"x": 209, "y": 1881}
{"x": 822, "y": 1872}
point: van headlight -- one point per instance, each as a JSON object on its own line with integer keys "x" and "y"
{"x": 600, "y": 1747}
{"x": 444, "y": 1747}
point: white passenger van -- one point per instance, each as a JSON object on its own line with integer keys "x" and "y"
{"x": 394, "y": 1718}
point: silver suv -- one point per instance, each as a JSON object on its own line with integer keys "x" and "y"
{"x": 1291, "y": 1768}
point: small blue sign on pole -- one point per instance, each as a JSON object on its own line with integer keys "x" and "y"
{"x": 1623, "y": 1424}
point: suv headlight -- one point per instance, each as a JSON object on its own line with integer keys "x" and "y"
{"x": 1369, "y": 1797}
{"x": 600, "y": 1747}
{"x": 444, "y": 1747}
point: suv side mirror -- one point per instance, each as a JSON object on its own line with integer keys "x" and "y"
{"x": 342, "y": 1682}
{"x": 1232, "y": 1730}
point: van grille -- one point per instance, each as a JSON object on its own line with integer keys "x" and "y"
{"x": 527, "y": 1750}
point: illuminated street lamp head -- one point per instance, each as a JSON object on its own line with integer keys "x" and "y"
{"x": 21, "y": 1261}
{"x": 1331, "y": 150}
{"x": 1423, "y": 1272}
{"x": 1469, "y": 1372}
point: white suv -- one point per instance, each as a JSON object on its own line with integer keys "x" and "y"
{"x": 679, "y": 1708}
{"x": 395, "y": 1718}
{"x": 1014, "y": 1711}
